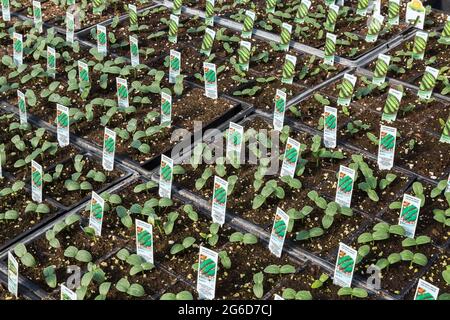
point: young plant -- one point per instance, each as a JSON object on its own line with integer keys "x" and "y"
{"x": 277, "y": 269}
{"x": 291, "y": 294}
{"x": 25, "y": 257}
{"x": 180, "y": 296}
{"x": 137, "y": 263}
{"x": 179, "y": 247}
{"x": 242, "y": 238}
{"x": 213, "y": 236}
{"x": 79, "y": 255}
{"x": 270, "y": 188}
{"x": 258, "y": 290}
{"x": 353, "y": 292}
{"x": 133, "y": 290}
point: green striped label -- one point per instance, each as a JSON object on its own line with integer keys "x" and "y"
{"x": 344, "y": 190}
{"x": 409, "y": 214}
{"x": 165, "y": 177}
{"x": 386, "y": 147}
{"x": 278, "y": 234}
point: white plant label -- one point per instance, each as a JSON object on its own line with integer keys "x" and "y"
{"x": 132, "y": 10}
{"x": 210, "y": 77}
{"x": 420, "y": 45}
{"x": 102, "y": 43}
{"x": 208, "y": 42}
{"x": 37, "y": 15}
{"x": 409, "y": 214}
{"x": 427, "y": 83}
{"x": 207, "y": 273}
{"x": 381, "y": 69}
{"x": 166, "y": 109}
{"x": 362, "y": 7}
{"x": 330, "y": 49}
{"x": 346, "y": 91}
{"x": 209, "y": 12}
{"x": 445, "y": 33}
{"x": 394, "y": 12}
{"x": 67, "y": 294}
{"x": 177, "y": 6}
{"x": 70, "y": 27}
{"x": 302, "y": 11}
{"x": 219, "y": 200}
{"x": 278, "y": 233}
{"x": 17, "y": 49}
{"x": 288, "y": 71}
{"x": 448, "y": 184}
{"x": 249, "y": 20}
{"x": 109, "y": 149}
{"x": 96, "y": 213}
{"x": 376, "y": 7}
{"x": 165, "y": 177}
{"x": 279, "y": 110}
{"x": 6, "y": 11}
{"x": 290, "y": 159}
{"x": 344, "y": 191}
{"x": 122, "y": 92}
{"x": 62, "y": 123}
{"x": 285, "y": 36}
{"x": 277, "y": 297}
{"x": 426, "y": 291}
{"x": 244, "y": 54}
{"x": 345, "y": 266}
{"x": 51, "y": 61}
{"x": 332, "y": 16}
{"x": 330, "y": 127}
{"x": 134, "y": 51}
{"x": 144, "y": 240}
{"x": 235, "y": 140}
{"x": 415, "y": 14}
{"x": 392, "y": 105}
{"x": 173, "y": 28}
{"x": 445, "y": 136}
{"x": 175, "y": 65}
{"x": 386, "y": 147}
{"x": 13, "y": 274}
{"x": 36, "y": 181}
{"x": 83, "y": 73}
{"x": 374, "y": 28}
{"x": 22, "y": 104}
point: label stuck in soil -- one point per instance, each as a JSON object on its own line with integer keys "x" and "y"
{"x": 36, "y": 181}
{"x": 415, "y": 14}
{"x": 249, "y": 20}
{"x": 392, "y": 105}
{"x": 109, "y": 149}
{"x": 207, "y": 273}
{"x": 70, "y": 27}
{"x": 285, "y": 36}
{"x": 51, "y": 61}
{"x": 289, "y": 69}
{"x": 386, "y": 147}
{"x": 177, "y": 5}
{"x": 1, "y": 172}
{"x": 37, "y": 15}
{"x": 209, "y": 12}
{"x": 445, "y": 34}
{"x": 330, "y": 23}
{"x": 344, "y": 190}
{"x": 134, "y": 51}
{"x": 17, "y": 48}
{"x": 330, "y": 49}
{"x": 166, "y": 109}
{"x": 291, "y": 155}
{"x": 165, "y": 177}
{"x": 420, "y": 45}
{"x": 381, "y": 69}
{"x": 409, "y": 214}
{"x": 330, "y": 127}
{"x": 375, "y": 6}
{"x": 122, "y": 92}
{"x": 133, "y": 14}
{"x": 244, "y": 53}
{"x": 22, "y": 104}
{"x": 271, "y": 6}
{"x": 426, "y": 291}
{"x": 175, "y": 66}
{"x": 448, "y": 184}
{"x": 102, "y": 40}
{"x": 219, "y": 200}
{"x": 6, "y": 11}
{"x": 235, "y": 141}
{"x": 63, "y": 122}
{"x": 394, "y": 12}
{"x": 210, "y": 77}
{"x": 428, "y": 83}
{"x": 144, "y": 240}
{"x": 302, "y": 11}
{"x": 362, "y": 7}
{"x": 96, "y": 213}
{"x": 208, "y": 42}
{"x": 345, "y": 266}
{"x": 67, "y": 294}
{"x": 279, "y": 110}
{"x": 278, "y": 233}
{"x": 13, "y": 274}
{"x": 374, "y": 28}
{"x": 173, "y": 28}
{"x": 346, "y": 91}
{"x": 83, "y": 74}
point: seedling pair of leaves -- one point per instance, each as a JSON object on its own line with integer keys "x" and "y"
{"x": 271, "y": 188}
{"x": 180, "y": 296}
{"x": 380, "y": 232}
{"x": 51, "y": 234}
{"x": 417, "y": 191}
{"x": 318, "y": 152}
{"x": 443, "y": 216}
{"x": 243, "y": 239}
{"x": 25, "y": 257}
{"x": 137, "y": 263}
{"x": 213, "y": 236}
{"x": 405, "y": 255}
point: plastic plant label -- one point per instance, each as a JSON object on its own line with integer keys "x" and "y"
{"x": 329, "y": 2}
{"x": 166, "y": 109}
{"x": 374, "y": 28}
{"x": 173, "y": 28}
{"x": 165, "y": 177}
{"x": 362, "y": 7}
{"x": 277, "y": 297}
{"x": 144, "y": 240}
{"x": 22, "y": 104}
{"x": 420, "y": 44}
{"x": 332, "y": 15}
{"x": 445, "y": 33}
{"x": 234, "y": 140}
{"x": 17, "y": 49}
{"x": 6, "y": 10}
{"x": 98, "y": 6}
{"x": 381, "y": 69}
{"x": 70, "y": 2}
{"x": 210, "y": 77}
{"x": 279, "y": 110}
{"x": 330, "y": 127}
{"x": 109, "y": 149}
{"x": 330, "y": 49}
{"x": 386, "y": 147}
{"x": 346, "y": 91}
{"x": 219, "y": 200}
{"x": 83, "y": 73}
{"x": 51, "y": 61}
{"x": 290, "y": 159}
{"x": 445, "y": 136}
{"x": 177, "y": 5}
{"x": 249, "y": 20}
{"x": 345, "y": 266}
{"x": 175, "y": 65}
{"x": 415, "y": 14}
{"x": 278, "y": 233}
{"x": 302, "y": 11}
{"x": 209, "y": 12}
{"x": 271, "y": 6}
{"x": 289, "y": 69}
{"x": 344, "y": 190}
{"x": 67, "y": 294}
{"x": 448, "y": 184}
{"x": 62, "y": 122}
{"x": 427, "y": 83}
{"x": 392, "y": 105}
{"x": 409, "y": 214}
{"x": 208, "y": 42}
{"x": 376, "y": 7}
{"x": 285, "y": 36}
{"x": 132, "y": 11}
{"x": 102, "y": 43}
{"x": 1, "y": 172}
{"x": 426, "y": 291}
{"x": 70, "y": 27}
{"x": 122, "y": 92}
{"x": 37, "y": 15}
{"x": 393, "y": 12}
{"x": 207, "y": 273}
{"x": 134, "y": 51}
{"x": 36, "y": 181}
{"x": 13, "y": 274}
{"x": 96, "y": 213}
{"x": 244, "y": 53}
